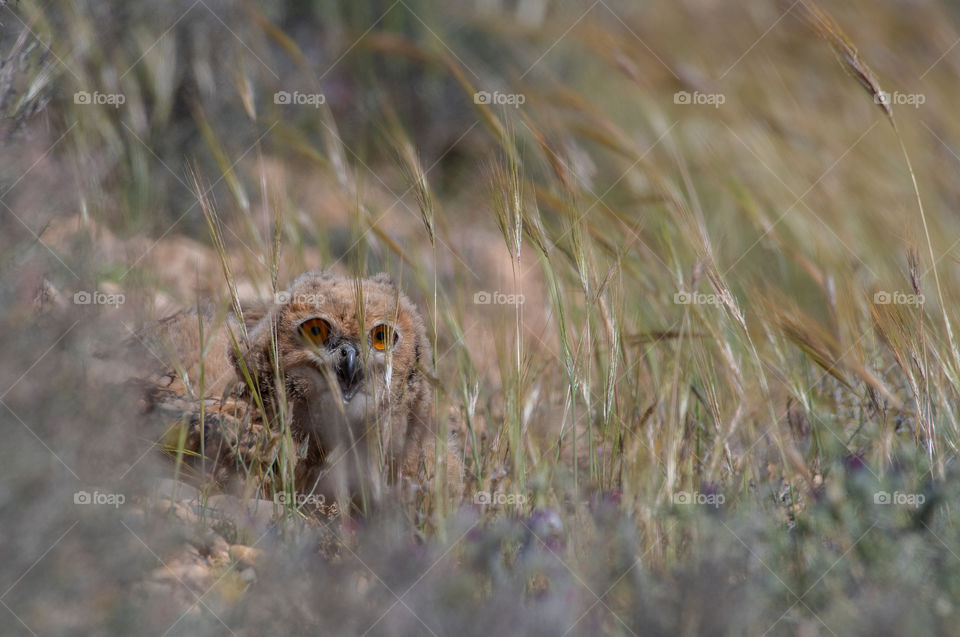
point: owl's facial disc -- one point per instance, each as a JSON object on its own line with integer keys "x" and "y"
{"x": 336, "y": 357}
{"x": 343, "y": 359}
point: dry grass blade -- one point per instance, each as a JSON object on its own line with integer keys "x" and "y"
{"x": 827, "y": 28}
{"x": 216, "y": 235}
{"x": 412, "y": 168}
{"x": 823, "y": 348}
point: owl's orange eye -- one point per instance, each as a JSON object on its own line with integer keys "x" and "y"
{"x": 383, "y": 336}
{"x": 315, "y": 331}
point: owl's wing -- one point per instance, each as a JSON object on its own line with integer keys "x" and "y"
{"x": 220, "y": 438}
{"x": 180, "y": 368}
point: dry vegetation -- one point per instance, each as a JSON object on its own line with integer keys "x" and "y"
{"x": 740, "y": 286}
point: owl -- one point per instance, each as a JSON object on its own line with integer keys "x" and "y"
{"x": 330, "y": 387}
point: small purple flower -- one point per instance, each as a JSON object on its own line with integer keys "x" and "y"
{"x": 854, "y": 462}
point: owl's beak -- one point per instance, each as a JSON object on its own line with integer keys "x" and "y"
{"x": 349, "y": 371}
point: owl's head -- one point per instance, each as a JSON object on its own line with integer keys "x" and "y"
{"x": 344, "y": 348}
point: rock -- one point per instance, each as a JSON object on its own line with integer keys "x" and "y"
{"x": 173, "y": 509}
{"x": 253, "y": 519}
{"x": 211, "y": 545}
{"x": 176, "y": 491}
{"x": 225, "y": 503}
{"x": 219, "y": 551}
{"x": 246, "y": 555}
{"x": 194, "y": 576}
{"x": 134, "y": 517}
{"x": 154, "y": 589}
{"x": 362, "y": 585}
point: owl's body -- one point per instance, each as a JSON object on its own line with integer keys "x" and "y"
{"x": 329, "y": 386}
